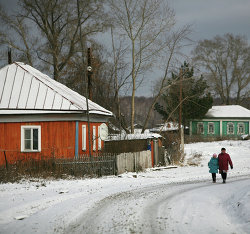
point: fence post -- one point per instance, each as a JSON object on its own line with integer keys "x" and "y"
{"x": 135, "y": 164}
{"x": 6, "y": 162}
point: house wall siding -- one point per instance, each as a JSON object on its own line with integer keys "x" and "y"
{"x": 235, "y": 123}
{"x": 216, "y": 128}
{"x": 57, "y": 139}
{"x": 219, "y": 131}
{"x": 80, "y": 150}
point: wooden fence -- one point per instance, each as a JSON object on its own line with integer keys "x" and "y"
{"x": 133, "y": 162}
{"x": 98, "y": 164}
{"x": 84, "y": 165}
{"x": 125, "y": 146}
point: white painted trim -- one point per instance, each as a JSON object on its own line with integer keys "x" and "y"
{"x": 94, "y": 138}
{"x": 217, "y": 120}
{"x": 221, "y": 128}
{"x": 200, "y": 123}
{"x": 22, "y": 137}
{"x": 208, "y": 132}
{"x": 84, "y": 137}
{"x": 230, "y": 123}
{"x": 244, "y": 130}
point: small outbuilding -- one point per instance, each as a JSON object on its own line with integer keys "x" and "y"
{"x": 40, "y": 117}
{"x": 138, "y": 142}
{"x": 224, "y": 121}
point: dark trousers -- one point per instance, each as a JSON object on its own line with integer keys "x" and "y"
{"x": 224, "y": 176}
{"x": 214, "y": 177}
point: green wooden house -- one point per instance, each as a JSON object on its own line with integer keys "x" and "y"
{"x": 223, "y": 121}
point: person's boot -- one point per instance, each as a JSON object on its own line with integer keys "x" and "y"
{"x": 224, "y": 181}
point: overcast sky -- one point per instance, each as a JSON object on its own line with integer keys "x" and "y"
{"x": 213, "y": 17}
{"x": 208, "y": 18}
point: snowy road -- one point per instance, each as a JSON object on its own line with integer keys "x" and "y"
{"x": 199, "y": 207}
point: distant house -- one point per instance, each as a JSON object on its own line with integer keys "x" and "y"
{"x": 42, "y": 117}
{"x": 137, "y": 128}
{"x": 166, "y": 127}
{"x": 224, "y": 121}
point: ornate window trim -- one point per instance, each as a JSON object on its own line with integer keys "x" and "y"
{"x": 230, "y": 128}
{"x": 210, "y": 124}
{"x": 239, "y": 125}
{"x": 200, "y": 128}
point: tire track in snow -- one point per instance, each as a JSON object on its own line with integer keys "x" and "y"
{"x": 125, "y": 212}
{"x": 159, "y": 209}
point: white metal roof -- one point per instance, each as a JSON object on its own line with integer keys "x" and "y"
{"x": 169, "y": 126}
{"x": 138, "y": 136}
{"x": 229, "y": 111}
{"x": 25, "y": 90}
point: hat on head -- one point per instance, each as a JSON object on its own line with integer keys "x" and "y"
{"x": 223, "y": 149}
{"x": 214, "y": 155}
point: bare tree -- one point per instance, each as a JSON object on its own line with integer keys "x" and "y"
{"x": 173, "y": 45}
{"x": 142, "y": 24}
{"x": 226, "y": 59}
{"x": 52, "y": 35}
{"x": 16, "y": 34}
{"x": 119, "y": 78}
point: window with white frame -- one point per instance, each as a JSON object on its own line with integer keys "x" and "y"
{"x": 230, "y": 128}
{"x": 200, "y": 128}
{"x": 84, "y": 137}
{"x": 94, "y": 138}
{"x": 30, "y": 138}
{"x": 210, "y": 127}
{"x": 241, "y": 128}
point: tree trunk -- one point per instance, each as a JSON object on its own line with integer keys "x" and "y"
{"x": 149, "y": 114}
{"x": 133, "y": 88}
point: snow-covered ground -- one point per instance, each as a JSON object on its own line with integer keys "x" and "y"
{"x": 176, "y": 200}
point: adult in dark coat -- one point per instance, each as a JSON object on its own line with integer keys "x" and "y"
{"x": 224, "y": 160}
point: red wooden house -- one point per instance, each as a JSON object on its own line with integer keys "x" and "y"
{"x": 42, "y": 117}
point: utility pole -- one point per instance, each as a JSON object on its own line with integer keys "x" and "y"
{"x": 181, "y": 130}
{"x": 89, "y": 69}
{"x": 90, "y": 75}
{"x": 9, "y": 56}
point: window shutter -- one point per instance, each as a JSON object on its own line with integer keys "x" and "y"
{"x": 94, "y": 138}
{"x": 84, "y": 136}
{"x": 99, "y": 139}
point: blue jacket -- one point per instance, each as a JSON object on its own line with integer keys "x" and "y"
{"x": 213, "y": 164}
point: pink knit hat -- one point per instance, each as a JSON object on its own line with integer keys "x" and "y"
{"x": 214, "y": 155}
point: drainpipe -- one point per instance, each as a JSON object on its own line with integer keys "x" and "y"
{"x": 220, "y": 128}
